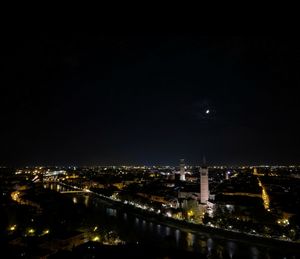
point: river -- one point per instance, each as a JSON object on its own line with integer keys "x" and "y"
{"x": 132, "y": 228}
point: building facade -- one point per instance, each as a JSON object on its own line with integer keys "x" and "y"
{"x": 204, "y": 189}
{"x": 182, "y": 170}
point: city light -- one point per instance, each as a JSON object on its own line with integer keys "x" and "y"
{"x": 12, "y": 228}
{"x": 190, "y": 213}
{"x": 264, "y": 196}
{"x": 96, "y": 238}
{"x": 283, "y": 222}
{"x": 46, "y": 231}
{"x": 169, "y": 214}
{"x": 161, "y": 202}
{"x": 31, "y": 231}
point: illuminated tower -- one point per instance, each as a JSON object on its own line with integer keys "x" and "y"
{"x": 182, "y": 170}
{"x": 204, "y": 190}
{"x": 227, "y": 175}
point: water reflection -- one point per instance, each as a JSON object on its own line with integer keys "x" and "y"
{"x": 202, "y": 246}
{"x": 210, "y": 245}
{"x": 158, "y": 230}
{"x": 137, "y": 221}
{"x": 231, "y": 247}
{"x": 74, "y": 200}
{"x": 86, "y": 200}
{"x": 168, "y": 231}
{"x": 177, "y": 236}
{"x": 190, "y": 238}
{"x": 151, "y": 226}
{"x": 144, "y": 225}
{"x": 254, "y": 252}
{"x": 111, "y": 212}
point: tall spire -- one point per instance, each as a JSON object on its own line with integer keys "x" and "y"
{"x": 204, "y": 162}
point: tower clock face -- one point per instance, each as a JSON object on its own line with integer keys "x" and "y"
{"x": 203, "y": 174}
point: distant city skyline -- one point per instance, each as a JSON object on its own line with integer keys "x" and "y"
{"x": 153, "y": 165}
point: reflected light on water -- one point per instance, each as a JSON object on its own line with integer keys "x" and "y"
{"x": 254, "y": 252}
{"x": 86, "y": 200}
{"x": 202, "y": 245}
{"x": 210, "y": 245}
{"x": 190, "y": 238}
{"x": 177, "y": 236}
{"x": 74, "y": 200}
{"x": 136, "y": 222}
{"x": 151, "y": 226}
{"x": 144, "y": 224}
{"x": 111, "y": 212}
{"x": 168, "y": 231}
{"x": 158, "y": 229}
{"x": 231, "y": 247}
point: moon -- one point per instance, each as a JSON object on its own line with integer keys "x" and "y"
{"x": 207, "y": 111}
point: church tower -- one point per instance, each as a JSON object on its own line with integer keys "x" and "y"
{"x": 204, "y": 189}
{"x": 182, "y": 170}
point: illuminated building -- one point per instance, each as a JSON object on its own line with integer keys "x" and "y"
{"x": 182, "y": 170}
{"x": 227, "y": 175}
{"x": 204, "y": 190}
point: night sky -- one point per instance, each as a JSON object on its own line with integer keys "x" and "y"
{"x": 148, "y": 98}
